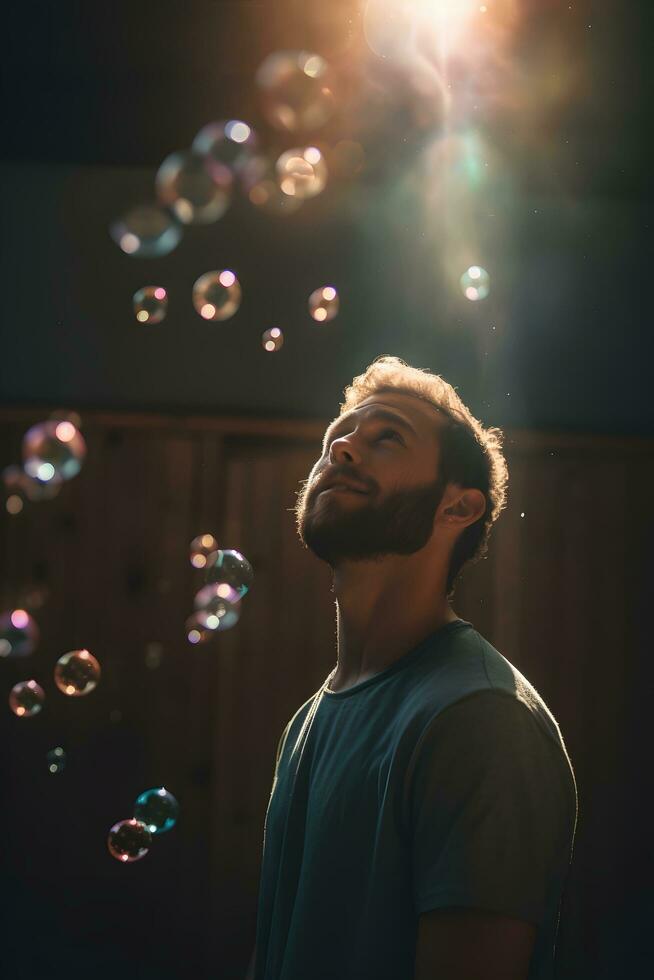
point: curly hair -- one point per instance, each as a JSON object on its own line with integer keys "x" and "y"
{"x": 470, "y": 455}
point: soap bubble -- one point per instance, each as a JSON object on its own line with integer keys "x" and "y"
{"x": 475, "y": 283}
{"x": 56, "y": 759}
{"x": 231, "y": 568}
{"x": 230, "y": 143}
{"x": 53, "y": 450}
{"x": 26, "y": 699}
{"x": 157, "y": 809}
{"x": 19, "y": 634}
{"x": 295, "y": 89}
{"x": 201, "y": 547}
{"x": 196, "y": 629}
{"x": 260, "y": 183}
{"x": 272, "y": 339}
{"x": 22, "y": 486}
{"x": 323, "y": 303}
{"x": 218, "y": 606}
{"x": 150, "y": 304}
{"x": 194, "y": 187}
{"x": 302, "y": 172}
{"x": 217, "y": 295}
{"x": 77, "y": 673}
{"x": 146, "y": 232}
{"x": 129, "y": 840}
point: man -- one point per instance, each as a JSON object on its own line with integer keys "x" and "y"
{"x": 423, "y": 809}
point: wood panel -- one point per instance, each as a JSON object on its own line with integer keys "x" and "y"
{"x": 563, "y": 593}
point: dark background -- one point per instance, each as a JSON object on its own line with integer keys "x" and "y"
{"x": 193, "y": 427}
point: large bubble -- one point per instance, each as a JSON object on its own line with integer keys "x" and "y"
{"x": 150, "y": 304}
{"x": 146, "y": 232}
{"x": 26, "y": 699}
{"x": 302, "y": 172}
{"x": 475, "y": 283}
{"x": 201, "y": 547}
{"x": 77, "y": 673}
{"x": 194, "y": 187}
{"x": 230, "y": 567}
{"x": 272, "y": 340}
{"x": 323, "y": 304}
{"x": 217, "y": 295}
{"x": 53, "y": 450}
{"x": 129, "y": 840}
{"x": 295, "y": 90}
{"x": 19, "y": 634}
{"x": 157, "y": 809}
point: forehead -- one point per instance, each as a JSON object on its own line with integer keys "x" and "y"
{"x": 421, "y": 416}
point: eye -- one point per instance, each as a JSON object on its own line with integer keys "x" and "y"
{"x": 391, "y": 433}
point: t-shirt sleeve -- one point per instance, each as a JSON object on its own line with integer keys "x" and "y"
{"x": 491, "y": 811}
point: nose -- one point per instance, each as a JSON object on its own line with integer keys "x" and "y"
{"x": 343, "y": 449}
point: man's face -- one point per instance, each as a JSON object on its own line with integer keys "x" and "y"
{"x": 396, "y": 460}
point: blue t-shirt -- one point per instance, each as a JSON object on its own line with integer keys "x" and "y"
{"x": 441, "y": 781}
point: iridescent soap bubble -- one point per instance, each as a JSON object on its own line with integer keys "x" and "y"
{"x": 295, "y": 89}
{"x": 22, "y": 486}
{"x": 157, "y": 809}
{"x": 201, "y": 548}
{"x": 272, "y": 340}
{"x": 475, "y": 283}
{"x": 19, "y": 634}
{"x": 26, "y": 699}
{"x": 146, "y": 232}
{"x": 217, "y": 295}
{"x": 195, "y": 188}
{"x": 129, "y": 840}
{"x": 150, "y": 304}
{"x": 53, "y": 450}
{"x": 259, "y": 181}
{"x": 56, "y": 759}
{"x": 231, "y": 568}
{"x": 302, "y": 172}
{"x": 323, "y": 303}
{"x": 77, "y": 673}
{"x": 197, "y": 630}
{"x": 230, "y": 143}
{"x": 217, "y": 606}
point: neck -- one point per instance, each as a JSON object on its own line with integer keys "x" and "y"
{"x": 384, "y": 610}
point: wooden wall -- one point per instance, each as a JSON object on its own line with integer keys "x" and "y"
{"x": 563, "y": 594}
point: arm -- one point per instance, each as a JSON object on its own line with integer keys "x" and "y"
{"x": 469, "y": 944}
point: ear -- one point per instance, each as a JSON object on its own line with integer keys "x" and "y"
{"x": 463, "y": 507}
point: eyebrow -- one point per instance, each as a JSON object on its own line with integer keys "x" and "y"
{"x": 378, "y": 413}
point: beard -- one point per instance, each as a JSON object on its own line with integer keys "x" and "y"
{"x": 357, "y": 527}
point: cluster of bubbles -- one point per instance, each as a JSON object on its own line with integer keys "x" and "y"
{"x": 228, "y": 577}
{"x": 76, "y": 673}
{"x": 53, "y": 452}
{"x": 155, "y": 812}
{"x": 217, "y": 296}
{"x": 196, "y": 186}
